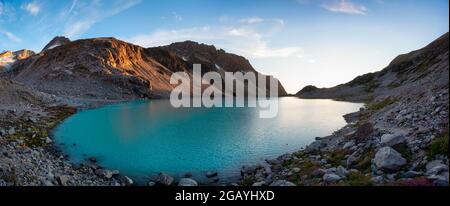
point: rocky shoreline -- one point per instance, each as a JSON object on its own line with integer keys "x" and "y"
{"x": 399, "y": 142}
{"x": 395, "y": 143}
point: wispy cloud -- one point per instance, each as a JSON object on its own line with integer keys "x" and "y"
{"x": 11, "y": 36}
{"x": 345, "y": 6}
{"x": 252, "y": 20}
{"x": 85, "y": 15}
{"x": 240, "y": 39}
{"x": 32, "y": 8}
{"x": 176, "y": 16}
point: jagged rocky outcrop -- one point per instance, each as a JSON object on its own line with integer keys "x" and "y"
{"x": 56, "y": 42}
{"x": 407, "y": 72}
{"x": 213, "y": 59}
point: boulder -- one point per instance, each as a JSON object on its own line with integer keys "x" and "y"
{"x": 107, "y": 174}
{"x": 331, "y": 177}
{"x": 315, "y": 146}
{"x": 341, "y": 171}
{"x": 259, "y": 184}
{"x": 392, "y": 139}
{"x": 211, "y": 174}
{"x": 411, "y": 174}
{"x": 62, "y": 180}
{"x": 436, "y": 167}
{"x": 164, "y": 179}
{"x": 282, "y": 183}
{"x": 295, "y": 170}
{"x": 126, "y": 181}
{"x": 388, "y": 159}
{"x": 348, "y": 145}
{"x": 187, "y": 182}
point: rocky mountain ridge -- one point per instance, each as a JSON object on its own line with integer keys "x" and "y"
{"x": 406, "y": 72}
{"x": 112, "y": 70}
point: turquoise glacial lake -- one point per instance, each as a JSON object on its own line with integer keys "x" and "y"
{"x": 141, "y": 139}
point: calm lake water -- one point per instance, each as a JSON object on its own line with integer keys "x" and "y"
{"x": 141, "y": 139}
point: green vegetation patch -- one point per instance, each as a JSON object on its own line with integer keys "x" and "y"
{"x": 336, "y": 157}
{"x": 357, "y": 179}
{"x": 381, "y": 104}
{"x": 439, "y": 146}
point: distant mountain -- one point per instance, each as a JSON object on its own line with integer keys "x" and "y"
{"x": 110, "y": 69}
{"x": 8, "y": 58}
{"x": 410, "y": 73}
{"x": 213, "y": 59}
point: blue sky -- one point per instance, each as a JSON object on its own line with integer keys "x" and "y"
{"x": 302, "y": 42}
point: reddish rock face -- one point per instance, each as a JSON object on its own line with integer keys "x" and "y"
{"x": 102, "y": 68}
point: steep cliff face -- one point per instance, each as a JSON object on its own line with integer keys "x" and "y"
{"x": 213, "y": 59}
{"x": 410, "y": 73}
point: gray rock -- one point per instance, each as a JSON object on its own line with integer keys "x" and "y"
{"x": 377, "y": 179}
{"x": 104, "y": 173}
{"x": 341, "y": 171}
{"x": 436, "y": 167}
{"x": 315, "y": 146}
{"x": 352, "y": 158}
{"x": 282, "y": 183}
{"x": 392, "y": 139}
{"x": 2, "y": 132}
{"x": 164, "y": 179}
{"x": 62, "y": 180}
{"x": 12, "y": 131}
{"x": 259, "y": 184}
{"x": 331, "y": 177}
{"x": 186, "y": 182}
{"x": 211, "y": 174}
{"x": 411, "y": 174}
{"x": 48, "y": 140}
{"x": 126, "y": 181}
{"x": 32, "y": 119}
{"x": 388, "y": 159}
{"x": 348, "y": 145}
{"x": 267, "y": 170}
{"x": 295, "y": 170}
{"x": 318, "y": 172}
{"x": 151, "y": 184}
{"x": 440, "y": 180}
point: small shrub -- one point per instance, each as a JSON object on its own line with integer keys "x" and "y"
{"x": 248, "y": 181}
{"x": 439, "y": 146}
{"x": 336, "y": 157}
{"x": 364, "y": 163}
